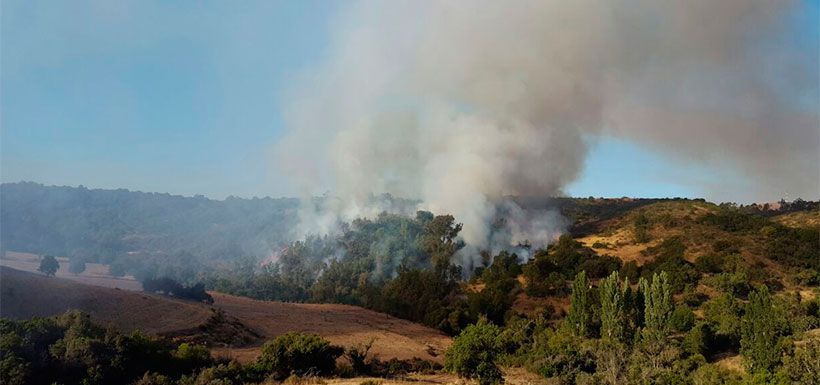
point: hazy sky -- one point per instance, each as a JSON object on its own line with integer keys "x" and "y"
{"x": 184, "y": 97}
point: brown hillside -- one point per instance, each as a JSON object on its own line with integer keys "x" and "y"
{"x": 341, "y": 324}
{"x": 799, "y": 219}
{"x": 26, "y": 295}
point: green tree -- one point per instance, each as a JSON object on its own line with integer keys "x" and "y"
{"x": 49, "y": 265}
{"x": 657, "y": 305}
{"x": 759, "y": 333}
{"x": 300, "y": 354}
{"x": 76, "y": 265}
{"x": 698, "y": 340}
{"x": 579, "y": 318}
{"x": 724, "y": 313}
{"x": 613, "y": 293}
{"x": 475, "y": 352}
{"x": 440, "y": 239}
{"x": 682, "y": 318}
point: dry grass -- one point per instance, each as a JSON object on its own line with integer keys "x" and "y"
{"x": 799, "y": 219}
{"x": 621, "y": 245}
{"x": 95, "y": 274}
{"x": 26, "y": 295}
{"x": 733, "y": 362}
{"x": 512, "y": 376}
{"x": 341, "y": 324}
{"x": 532, "y": 306}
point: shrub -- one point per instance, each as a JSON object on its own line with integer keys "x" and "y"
{"x": 298, "y": 354}
{"x": 641, "y": 228}
{"x": 357, "y": 355}
{"x": 711, "y": 374}
{"x": 172, "y": 288}
{"x": 600, "y": 266}
{"x": 192, "y": 356}
{"x": 710, "y": 263}
{"x": 395, "y": 367}
{"x": 474, "y": 353}
{"x": 804, "y": 366}
{"x": 699, "y": 339}
{"x": 682, "y": 318}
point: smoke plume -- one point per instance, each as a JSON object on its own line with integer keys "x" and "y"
{"x": 459, "y": 104}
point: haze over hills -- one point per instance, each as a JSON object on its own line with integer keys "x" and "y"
{"x": 102, "y": 225}
{"x": 402, "y": 282}
{"x": 441, "y": 160}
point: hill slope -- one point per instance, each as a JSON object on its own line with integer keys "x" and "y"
{"x": 103, "y": 225}
{"x": 27, "y": 295}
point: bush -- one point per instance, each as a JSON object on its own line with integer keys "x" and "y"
{"x": 298, "y": 354}
{"x": 357, "y": 355}
{"x": 192, "y": 356}
{"x": 699, "y": 340}
{"x": 710, "y": 263}
{"x": 395, "y": 367}
{"x": 600, "y": 266}
{"x": 172, "y": 288}
{"x": 682, "y": 318}
{"x": 641, "y": 228}
{"x": 804, "y": 366}
{"x": 474, "y": 353}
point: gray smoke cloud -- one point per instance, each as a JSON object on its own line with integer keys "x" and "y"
{"x": 460, "y": 104}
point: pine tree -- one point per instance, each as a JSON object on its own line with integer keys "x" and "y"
{"x": 613, "y": 294}
{"x": 759, "y": 333}
{"x": 580, "y": 312}
{"x": 657, "y": 305}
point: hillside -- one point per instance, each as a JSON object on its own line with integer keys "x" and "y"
{"x": 105, "y": 225}
{"x": 799, "y": 219}
{"x": 28, "y": 295}
{"x": 779, "y": 250}
{"x": 94, "y": 274}
{"x": 704, "y": 229}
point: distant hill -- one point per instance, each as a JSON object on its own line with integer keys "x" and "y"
{"x": 103, "y": 225}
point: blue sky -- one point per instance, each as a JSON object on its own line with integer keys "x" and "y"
{"x": 183, "y": 97}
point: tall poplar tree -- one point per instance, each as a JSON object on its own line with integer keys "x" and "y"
{"x": 579, "y": 318}
{"x": 657, "y": 305}
{"x": 613, "y": 295}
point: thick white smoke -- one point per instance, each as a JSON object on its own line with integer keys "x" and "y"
{"x": 460, "y": 103}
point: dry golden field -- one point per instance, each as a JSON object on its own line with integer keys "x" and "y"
{"x": 26, "y": 295}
